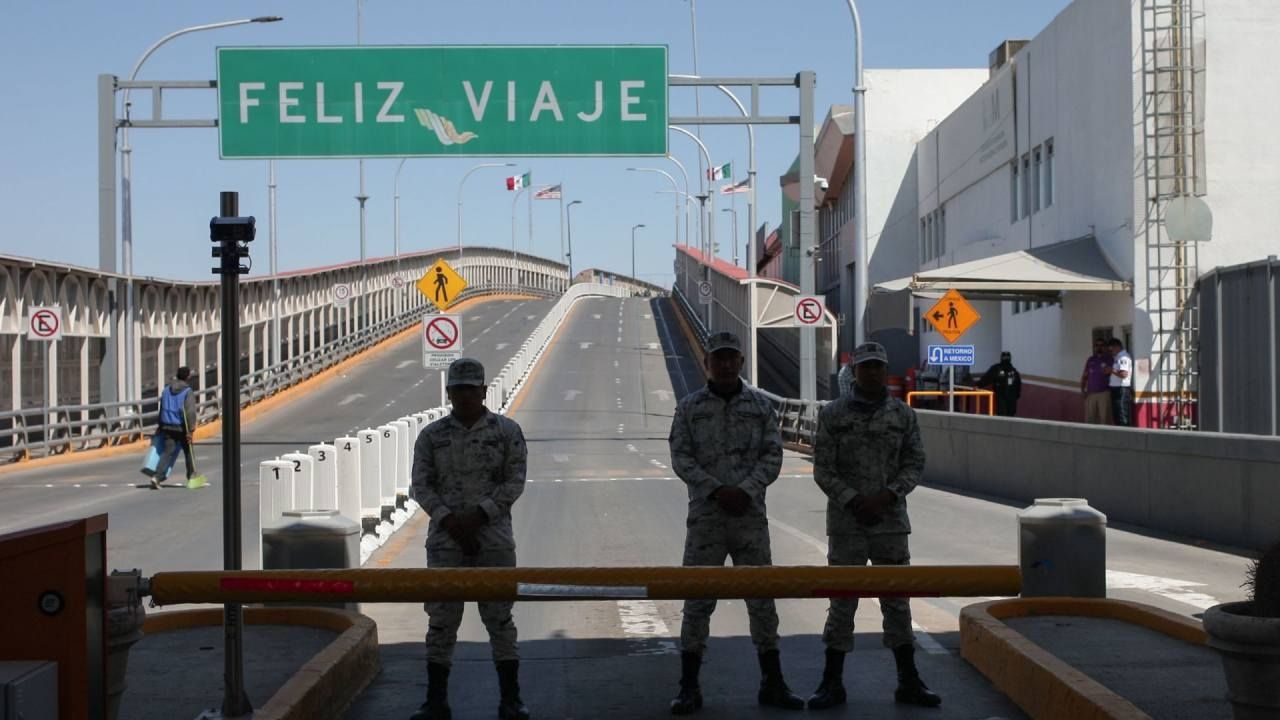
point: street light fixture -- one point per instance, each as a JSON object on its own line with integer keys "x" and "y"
{"x": 466, "y": 175}
{"x": 734, "y": 232}
{"x": 126, "y": 186}
{"x": 860, "y": 288}
{"x": 633, "y": 249}
{"x": 674, "y": 187}
{"x": 569, "y": 225}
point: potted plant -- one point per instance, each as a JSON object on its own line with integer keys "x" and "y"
{"x": 1247, "y": 634}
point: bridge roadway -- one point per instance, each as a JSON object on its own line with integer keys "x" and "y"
{"x": 176, "y": 529}
{"x": 601, "y": 492}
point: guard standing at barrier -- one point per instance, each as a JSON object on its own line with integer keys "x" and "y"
{"x": 726, "y": 446}
{"x": 468, "y": 469}
{"x": 867, "y": 456}
{"x": 1006, "y": 382}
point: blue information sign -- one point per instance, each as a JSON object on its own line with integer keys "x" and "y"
{"x": 951, "y": 355}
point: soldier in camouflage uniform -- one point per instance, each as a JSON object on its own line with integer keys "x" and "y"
{"x": 468, "y": 469}
{"x": 726, "y": 446}
{"x": 867, "y": 456}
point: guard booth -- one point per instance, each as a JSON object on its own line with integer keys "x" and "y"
{"x": 54, "y": 608}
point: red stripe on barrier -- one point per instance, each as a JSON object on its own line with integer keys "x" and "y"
{"x": 330, "y": 587}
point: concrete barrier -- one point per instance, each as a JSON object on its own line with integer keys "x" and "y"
{"x": 1209, "y": 486}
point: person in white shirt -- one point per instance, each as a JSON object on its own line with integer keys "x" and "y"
{"x": 1121, "y": 382}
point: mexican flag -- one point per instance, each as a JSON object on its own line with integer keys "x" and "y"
{"x": 518, "y": 182}
{"x": 722, "y": 172}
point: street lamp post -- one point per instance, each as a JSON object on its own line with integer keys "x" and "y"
{"x": 569, "y": 232}
{"x": 362, "y": 198}
{"x": 709, "y": 232}
{"x": 685, "y": 173}
{"x": 126, "y": 190}
{"x": 633, "y": 249}
{"x": 463, "y": 181}
{"x": 674, "y": 187}
{"x": 395, "y": 231}
{"x": 734, "y": 232}
{"x": 860, "y": 289}
{"x": 751, "y": 180}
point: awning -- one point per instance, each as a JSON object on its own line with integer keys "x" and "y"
{"x": 1038, "y": 274}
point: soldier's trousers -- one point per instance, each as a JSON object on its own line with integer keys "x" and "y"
{"x": 888, "y": 549}
{"x": 708, "y": 543}
{"x": 444, "y": 618}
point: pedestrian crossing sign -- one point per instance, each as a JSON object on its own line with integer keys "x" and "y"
{"x": 952, "y": 316}
{"x": 441, "y": 285}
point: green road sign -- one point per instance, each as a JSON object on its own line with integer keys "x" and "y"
{"x": 326, "y": 102}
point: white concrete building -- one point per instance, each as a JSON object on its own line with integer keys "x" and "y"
{"x": 1056, "y": 175}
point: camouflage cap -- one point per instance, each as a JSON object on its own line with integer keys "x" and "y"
{"x": 723, "y": 341}
{"x": 869, "y": 351}
{"x": 465, "y": 371}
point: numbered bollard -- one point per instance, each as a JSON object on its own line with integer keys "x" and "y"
{"x": 275, "y": 496}
{"x": 347, "y": 450}
{"x": 390, "y": 450}
{"x": 324, "y": 488}
{"x": 404, "y": 456}
{"x": 304, "y": 473}
{"x": 370, "y": 480}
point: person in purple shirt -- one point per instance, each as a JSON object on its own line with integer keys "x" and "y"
{"x": 1095, "y": 385}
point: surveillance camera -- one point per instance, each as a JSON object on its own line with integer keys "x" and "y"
{"x": 232, "y": 229}
{"x": 822, "y": 183}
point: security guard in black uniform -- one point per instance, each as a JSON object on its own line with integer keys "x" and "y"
{"x": 1006, "y": 381}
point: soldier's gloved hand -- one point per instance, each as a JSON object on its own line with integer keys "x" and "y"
{"x": 733, "y": 500}
{"x": 878, "y": 503}
{"x": 471, "y": 521}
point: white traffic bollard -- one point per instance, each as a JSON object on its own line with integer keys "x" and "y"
{"x": 348, "y": 476}
{"x": 304, "y": 473}
{"x": 275, "y": 496}
{"x": 370, "y": 480}
{"x": 405, "y": 456}
{"x": 324, "y": 490}
{"x": 390, "y": 437}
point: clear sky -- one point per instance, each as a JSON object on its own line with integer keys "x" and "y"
{"x": 53, "y": 52}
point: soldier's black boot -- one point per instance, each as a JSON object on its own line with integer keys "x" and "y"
{"x": 510, "y": 707}
{"x": 911, "y": 689}
{"x": 830, "y": 692}
{"x": 437, "y": 705}
{"x": 689, "y": 700}
{"x": 773, "y": 689}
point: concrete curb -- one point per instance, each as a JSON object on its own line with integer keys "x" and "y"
{"x": 327, "y": 684}
{"x": 1037, "y": 681}
{"x": 248, "y": 413}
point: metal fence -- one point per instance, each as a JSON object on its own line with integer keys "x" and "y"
{"x": 1239, "y": 348}
{"x": 70, "y": 428}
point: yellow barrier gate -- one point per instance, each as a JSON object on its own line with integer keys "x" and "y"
{"x": 550, "y": 584}
{"x": 980, "y": 394}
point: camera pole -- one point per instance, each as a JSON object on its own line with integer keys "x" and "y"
{"x": 232, "y": 235}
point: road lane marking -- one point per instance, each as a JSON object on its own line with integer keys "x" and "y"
{"x": 351, "y": 398}
{"x": 642, "y": 624}
{"x": 1169, "y": 588}
{"x": 405, "y": 363}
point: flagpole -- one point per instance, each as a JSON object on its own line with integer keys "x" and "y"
{"x": 530, "y": 198}
{"x": 561, "y": 221}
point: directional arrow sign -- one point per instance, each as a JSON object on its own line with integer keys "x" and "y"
{"x": 952, "y": 316}
{"x": 951, "y": 355}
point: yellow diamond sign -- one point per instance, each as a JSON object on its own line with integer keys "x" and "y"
{"x": 952, "y": 316}
{"x": 441, "y": 285}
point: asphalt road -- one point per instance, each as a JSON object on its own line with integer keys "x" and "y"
{"x": 601, "y": 493}
{"x": 179, "y": 529}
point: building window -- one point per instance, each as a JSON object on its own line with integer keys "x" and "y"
{"x": 929, "y": 236}
{"x": 942, "y": 232}
{"x": 924, "y": 251}
{"x": 1017, "y": 307}
{"x": 1036, "y": 180}
{"x": 1047, "y": 190}
{"x": 1025, "y": 203}
{"x": 1014, "y": 192}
